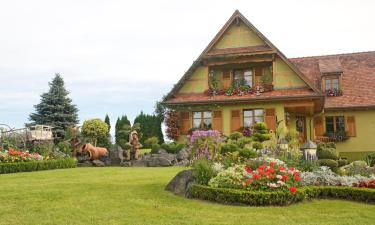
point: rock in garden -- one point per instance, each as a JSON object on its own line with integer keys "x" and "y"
{"x": 183, "y": 154}
{"x": 97, "y": 162}
{"x": 126, "y": 164}
{"x": 116, "y": 155}
{"x": 84, "y": 164}
{"x": 162, "y": 151}
{"x": 180, "y": 184}
{"x": 159, "y": 161}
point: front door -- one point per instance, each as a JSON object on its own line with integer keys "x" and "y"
{"x": 301, "y": 128}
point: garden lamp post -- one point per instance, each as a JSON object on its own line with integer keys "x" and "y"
{"x": 283, "y": 144}
{"x": 309, "y": 150}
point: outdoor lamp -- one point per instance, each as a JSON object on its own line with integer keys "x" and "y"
{"x": 283, "y": 144}
{"x": 309, "y": 150}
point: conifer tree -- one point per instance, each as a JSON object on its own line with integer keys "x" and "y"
{"x": 56, "y": 109}
{"x": 121, "y": 121}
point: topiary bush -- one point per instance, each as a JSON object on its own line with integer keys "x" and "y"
{"x": 64, "y": 147}
{"x": 235, "y": 136}
{"x": 43, "y": 149}
{"x": 370, "y": 158}
{"x": 247, "y": 153}
{"x": 231, "y": 147}
{"x": 332, "y": 164}
{"x": 155, "y": 148}
{"x": 327, "y": 153}
{"x": 173, "y": 147}
{"x": 342, "y": 162}
{"x": 257, "y": 145}
{"x": 149, "y": 142}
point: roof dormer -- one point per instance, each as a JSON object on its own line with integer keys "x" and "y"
{"x": 331, "y": 73}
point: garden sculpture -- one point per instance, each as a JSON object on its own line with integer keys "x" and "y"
{"x": 94, "y": 152}
{"x": 133, "y": 152}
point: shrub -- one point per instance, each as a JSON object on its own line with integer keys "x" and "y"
{"x": 235, "y": 136}
{"x": 342, "y": 162}
{"x": 203, "y": 171}
{"x": 37, "y": 165}
{"x": 247, "y": 153}
{"x": 43, "y": 149}
{"x": 237, "y": 196}
{"x": 257, "y": 145}
{"x": 94, "y": 129}
{"x": 327, "y": 153}
{"x": 332, "y": 164}
{"x": 228, "y": 148}
{"x": 263, "y": 198}
{"x": 173, "y": 147}
{"x": 64, "y": 147}
{"x": 370, "y": 158}
{"x": 242, "y": 142}
{"x": 149, "y": 142}
{"x": 155, "y": 148}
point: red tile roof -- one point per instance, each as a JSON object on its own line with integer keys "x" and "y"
{"x": 276, "y": 94}
{"x": 358, "y": 78}
{"x": 249, "y": 49}
{"x": 330, "y": 65}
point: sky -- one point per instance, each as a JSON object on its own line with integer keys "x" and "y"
{"x": 120, "y": 57}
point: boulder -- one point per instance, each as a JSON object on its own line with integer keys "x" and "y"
{"x": 97, "y": 162}
{"x": 180, "y": 184}
{"x": 126, "y": 164}
{"x": 116, "y": 155}
{"x": 158, "y": 161}
{"x": 183, "y": 154}
{"x": 162, "y": 151}
{"x": 139, "y": 162}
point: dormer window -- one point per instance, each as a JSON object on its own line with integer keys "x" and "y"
{"x": 332, "y": 83}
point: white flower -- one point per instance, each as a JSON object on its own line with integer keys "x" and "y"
{"x": 279, "y": 176}
{"x": 281, "y": 183}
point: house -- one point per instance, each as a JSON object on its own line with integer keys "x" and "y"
{"x": 241, "y": 78}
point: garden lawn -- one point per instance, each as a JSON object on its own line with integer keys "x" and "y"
{"x": 121, "y": 195}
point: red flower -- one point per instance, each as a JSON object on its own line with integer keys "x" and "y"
{"x": 249, "y": 181}
{"x": 262, "y": 167}
{"x": 271, "y": 170}
{"x": 272, "y": 164}
{"x": 282, "y": 169}
{"x": 292, "y": 189}
{"x": 270, "y": 176}
{"x": 296, "y": 178}
{"x": 284, "y": 177}
{"x": 248, "y": 169}
{"x": 256, "y": 176}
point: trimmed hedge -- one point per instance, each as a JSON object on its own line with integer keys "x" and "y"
{"x": 37, "y": 165}
{"x": 264, "y": 198}
{"x": 238, "y": 196}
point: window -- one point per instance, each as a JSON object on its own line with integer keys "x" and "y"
{"x": 335, "y": 124}
{"x": 252, "y": 116}
{"x": 202, "y": 120}
{"x": 331, "y": 83}
{"x": 243, "y": 77}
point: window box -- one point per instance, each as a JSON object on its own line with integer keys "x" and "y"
{"x": 333, "y": 92}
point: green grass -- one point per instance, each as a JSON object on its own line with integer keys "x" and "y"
{"x": 115, "y": 195}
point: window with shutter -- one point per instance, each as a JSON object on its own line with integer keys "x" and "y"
{"x": 235, "y": 120}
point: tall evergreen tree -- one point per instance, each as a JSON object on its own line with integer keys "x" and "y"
{"x": 150, "y": 126}
{"x": 56, "y": 109}
{"x": 123, "y": 120}
{"x": 106, "y": 141}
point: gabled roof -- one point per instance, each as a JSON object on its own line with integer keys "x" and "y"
{"x": 357, "y": 78}
{"x": 235, "y": 17}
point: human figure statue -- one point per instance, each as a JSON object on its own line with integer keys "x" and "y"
{"x": 135, "y": 145}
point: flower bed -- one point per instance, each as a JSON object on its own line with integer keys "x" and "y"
{"x": 12, "y": 155}
{"x": 264, "y": 198}
{"x": 37, "y": 165}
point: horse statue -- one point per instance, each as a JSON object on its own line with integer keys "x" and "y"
{"x": 93, "y": 152}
